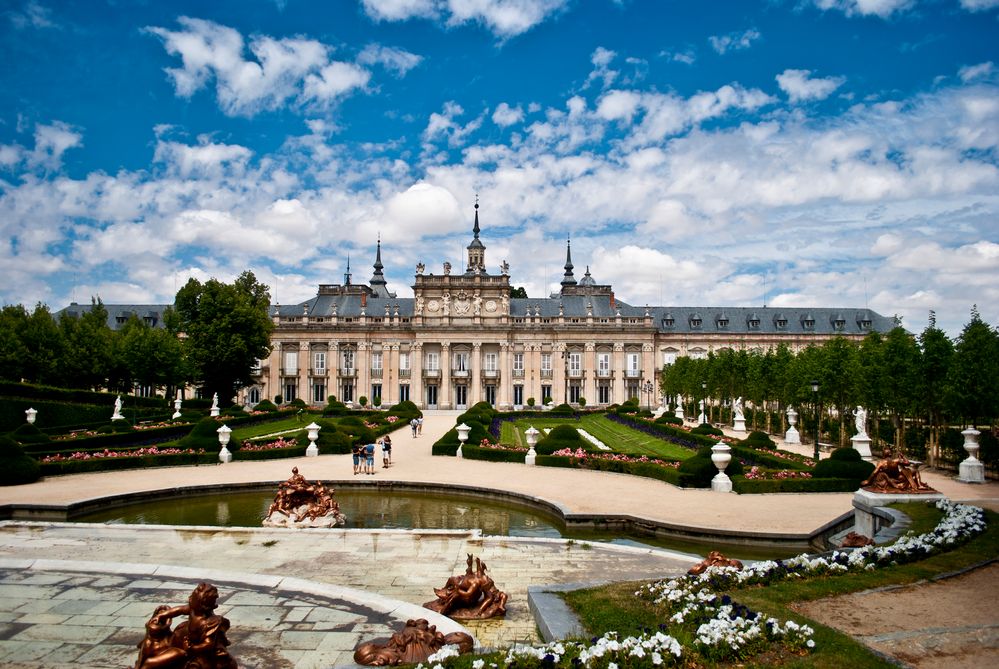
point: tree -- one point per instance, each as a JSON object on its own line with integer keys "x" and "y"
{"x": 519, "y": 291}
{"x": 152, "y": 356}
{"x": 87, "y": 356}
{"x": 936, "y": 354}
{"x": 973, "y": 380}
{"x": 227, "y": 329}
{"x": 13, "y": 352}
{"x": 900, "y": 360}
{"x": 838, "y": 378}
{"x": 46, "y": 346}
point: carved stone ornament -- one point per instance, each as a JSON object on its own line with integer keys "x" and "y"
{"x": 895, "y": 474}
{"x": 461, "y": 306}
{"x": 490, "y": 305}
{"x": 302, "y": 504}
{"x": 854, "y": 540}
{"x": 470, "y": 596}
{"x": 417, "y": 641}
{"x": 714, "y": 559}
{"x": 433, "y": 305}
{"x": 198, "y": 643}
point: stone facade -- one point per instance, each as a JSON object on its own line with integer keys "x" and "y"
{"x": 462, "y": 339}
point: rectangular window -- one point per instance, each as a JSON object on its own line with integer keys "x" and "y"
{"x": 546, "y": 394}
{"x": 376, "y": 391}
{"x": 253, "y": 396}
{"x": 573, "y": 393}
{"x": 348, "y": 359}
{"x": 433, "y": 361}
{"x": 518, "y": 362}
{"x": 460, "y": 362}
{"x": 546, "y": 362}
{"x": 347, "y": 392}
{"x": 633, "y": 362}
{"x": 669, "y": 358}
{"x": 603, "y": 394}
{"x": 403, "y": 392}
{"x": 319, "y": 362}
{"x": 518, "y": 395}
{"x": 376, "y": 360}
{"x": 603, "y": 364}
{"x": 291, "y": 362}
{"x": 290, "y": 392}
{"x": 491, "y": 362}
{"x": 575, "y": 364}
{"x": 404, "y": 361}
{"x": 319, "y": 393}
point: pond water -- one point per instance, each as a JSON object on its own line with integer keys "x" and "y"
{"x": 398, "y": 509}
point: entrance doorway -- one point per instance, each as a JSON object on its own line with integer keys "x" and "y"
{"x": 432, "y": 396}
{"x": 461, "y": 397}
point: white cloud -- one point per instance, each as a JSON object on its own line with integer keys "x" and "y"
{"x": 686, "y": 56}
{"x": 32, "y": 15}
{"x": 283, "y": 70}
{"x": 601, "y": 59}
{"x": 979, "y": 71}
{"x": 52, "y": 140}
{"x": 423, "y": 210}
{"x": 880, "y": 8}
{"x": 505, "y": 115}
{"x": 801, "y": 87}
{"x": 444, "y": 125}
{"x": 979, "y": 5}
{"x": 504, "y": 18}
{"x": 206, "y": 160}
{"x": 397, "y": 61}
{"x": 734, "y": 41}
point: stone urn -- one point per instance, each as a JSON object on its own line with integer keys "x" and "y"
{"x": 721, "y": 455}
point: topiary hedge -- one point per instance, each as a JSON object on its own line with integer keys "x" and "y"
{"x": 204, "y": 435}
{"x": 26, "y": 433}
{"x": 16, "y": 468}
{"x": 265, "y": 405}
{"x": 844, "y": 463}
{"x": 706, "y": 428}
{"x": 742, "y": 485}
{"x": 493, "y": 454}
{"x": 758, "y": 439}
{"x": 113, "y": 464}
{"x": 697, "y": 472}
{"x": 561, "y": 436}
{"x": 331, "y": 439}
{"x": 669, "y": 419}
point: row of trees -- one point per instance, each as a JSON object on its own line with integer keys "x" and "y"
{"x": 929, "y": 379}
{"x": 212, "y": 339}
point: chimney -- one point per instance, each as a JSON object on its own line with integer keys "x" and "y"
{"x": 364, "y": 299}
{"x": 612, "y": 299}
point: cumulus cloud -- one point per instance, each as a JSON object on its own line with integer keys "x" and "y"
{"x": 504, "y": 18}
{"x": 444, "y": 125}
{"x": 602, "y": 72}
{"x": 504, "y": 115}
{"x": 686, "y": 56}
{"x": 31, "y": 15}
{"x": 979, "y": 5}
{"x": 734, "y": 41}
{"x": 424, "y": 210}
{"x": 800, "y": 86}
{"x": 296, "y": 70}
{"x": 51, "y": 141}
{"x": 880, "y": 8}
{"x": 397, "y": 61}
{"x": 206, "y": 160}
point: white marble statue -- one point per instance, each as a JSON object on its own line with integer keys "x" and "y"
{"x": 215, "y": 401}
{"x": 860, "y": 418}
{"x": 737, "y": 408}
{"x": 117, "y": 409}
{"x": 447, "y": 268}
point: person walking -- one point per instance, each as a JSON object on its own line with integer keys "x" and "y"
{"x": 419, "y": 426}
{"x": 356, "y": 452}
{"x": 369, "y": 459}
{"x": 386, "y": 451}
{"x": 412, "y": 424}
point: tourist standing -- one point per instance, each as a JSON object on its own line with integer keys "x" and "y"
{"x": 369, "y": 459}
{"x": 419, "y": 426}
{"x": 356, "y": 453}
{"x": 386, "y": 451}
{"x": 412, "y": 424}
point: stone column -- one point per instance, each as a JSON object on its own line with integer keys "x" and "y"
{"x": 475, "y": 393}
{"x": 617, "y": 364}
{"x": 649, "y": 374}
{"x": 560, "y": 360}
{"x": 333, "y": 365}
{"x": 444, "y": 391}
{"x": 390, "y": 376}
{"x": 504, "y": 393}
{"x": 363, "y": 371}
{"x": 416, "y": 374}
{"x": 590, "y": 370}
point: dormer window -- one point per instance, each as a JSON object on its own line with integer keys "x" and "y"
{"x": 780, "y": 321}
{"x": 808, "y": 323}
{"x": 721, "y": 322}
{"x": 695, "y": 320}
{"x": 864, "y": 320}
{"x": 668, "y": 321}
{"x": 753, "y": 322}
{"x": 838, "y": 322}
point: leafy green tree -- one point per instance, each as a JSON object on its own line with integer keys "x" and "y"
{"x": 13, "y": 352}
{"x": 87, "y": 356}
{"x": 973, "y": 378}
{"x": 900, "y": 362}
{"x": 227, "y": 329}
{"x": 937, "y": 350}
{"x": 519, "y": 291}
{"x": 45, "y": 346}
{"x": 871, "y": 382}
{"x": 837, "y": 378}
{"x": 152, "y": 356}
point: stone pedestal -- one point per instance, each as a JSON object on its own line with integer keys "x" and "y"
{"x": 792, "y": 436}
{"x": 869, "y": 516}
{"x": 862, "y": 444}
{"x": 971, "y": 470}
{"x": 215, "y": 412}
{"x": 740, "y": 424}
{"x": 679, "y": 411}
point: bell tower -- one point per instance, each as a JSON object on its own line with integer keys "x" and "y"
{"x": 476, "y": 250}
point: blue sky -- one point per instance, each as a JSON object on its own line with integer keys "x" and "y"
{"x": 787, "y": 152}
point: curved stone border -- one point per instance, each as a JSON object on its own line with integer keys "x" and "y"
{"x": 284, "y": 585}
{"x": 622, "y": 523}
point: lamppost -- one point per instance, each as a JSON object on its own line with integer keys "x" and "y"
{"x": 815, "y": 399}
{"x": 704, "y": 403}
{"x": 647, "y": 387}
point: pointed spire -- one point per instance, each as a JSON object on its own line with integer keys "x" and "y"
{"x": 476, "y": 250}
{"x": 346, "y": 275}
{"x": 378, "y": 282}
{"x": 568, "y": 279}
{"x": 475, "y": 228}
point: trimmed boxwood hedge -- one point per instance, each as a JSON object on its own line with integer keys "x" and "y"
{"x": 112, "y": 464}
{"x": 742, "y": 485}
{"x": 16, "y": 468}
{"x": 844, "y": 463}
{"x": 561, "y": 436}
{"x": 697, "y": 472}
{"x": 646, "y": 469}
{"x": 492, "y": 454}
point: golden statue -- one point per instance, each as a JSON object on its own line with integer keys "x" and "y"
{"x": 299, "y": 503}
{"x": 417, "y": 641}
{"x": 471, "y": 596}
{"x": 895, "y": 474}
{"x": 198, "y": 643}
{"x": 714, "y": 559}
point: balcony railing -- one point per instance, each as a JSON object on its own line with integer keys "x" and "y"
{"x": 318, "y": 371}
{"x": 376, "y": 373}
{"x": 460, "y": 373}
{"x": 289, "y": 371}
{"x": 348, "y": 371}
{"x": 490, "y": 373}
{"x": 604, "y": 373}
{"x": 633, "y": 373}
{"x": 518, "y": 373}
{"x": 405, "y": 373}
{"x": 575, "y": 373}
{"x": 546, "y": 373}
{"x": 432, "y": 373}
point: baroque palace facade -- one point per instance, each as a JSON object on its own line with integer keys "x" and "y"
{"x": 462, "y": 339}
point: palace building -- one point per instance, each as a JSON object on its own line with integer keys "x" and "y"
{"x": 462, "y": 339}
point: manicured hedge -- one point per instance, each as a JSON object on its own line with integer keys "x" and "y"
{"x": 16, "y": 467}
{"x": 73, "y": 396}
{"x": 742, "y": 485}
{"x": 113, "y": 440}
{"x": 646, "y": 469}
{"x": 697, "y": 472}
{"x": 113, "y": 464}
{"x": 55, "y": 416}
{"x": 844, "y": 463}
{"x": 271, "y": 453}
{"x": 492, "y": 454}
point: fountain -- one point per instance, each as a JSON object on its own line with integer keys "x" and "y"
{"x": 299, "y": 503}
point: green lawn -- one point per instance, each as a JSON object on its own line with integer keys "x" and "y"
{"x": 290, "y": 424}
{"x": 620, "y": 438}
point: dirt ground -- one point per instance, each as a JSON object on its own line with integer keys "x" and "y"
{"x": 952, "y": 623}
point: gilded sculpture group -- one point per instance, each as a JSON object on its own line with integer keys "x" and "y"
{"x": 198, "y": 643}
{"x": 300, "y": 502}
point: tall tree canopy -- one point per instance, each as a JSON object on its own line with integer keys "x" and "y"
{"x": 227, "y": 329}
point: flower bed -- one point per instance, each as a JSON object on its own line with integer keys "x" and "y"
{"x": 106, "y": 454}
{"x": 755, "y": 473}
{"x": 703, "y": 625}
{"x": 279, "y": 443}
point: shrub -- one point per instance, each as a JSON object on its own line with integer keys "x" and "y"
{"x": 629, "y": 407}
{"x": 26, "y": 433}
{"x": 298, "y": 402}
{"x": 561, "y": 436}
{"x": 843, "y": 463}
{"x": 563, "y": 409}
{"x": 706, "y": 428}
{"x": 233, "y": 410}
{"x": 758, "y": 439}
{"x": 581, "y": 401}
{"x": 363, "y": 400}
{"x": 16, "y": 467}
{"x": 335, "y": 408}
{"x": 742, "y": 485}
{"x": 669, "y": 419}
{"x": 204, "y": 435}
{"x": 530, "y": 401}
{"x": 266, "y": 405}
{"x": 278, "y": 399}
{"x": 358, "y": 431}
{"x": 697, "y": 472}
{"x": 376, "y": 401}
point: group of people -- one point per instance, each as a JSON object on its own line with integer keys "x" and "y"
{"x": 364, "y": 455}
{"x": 417, "y": 426}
